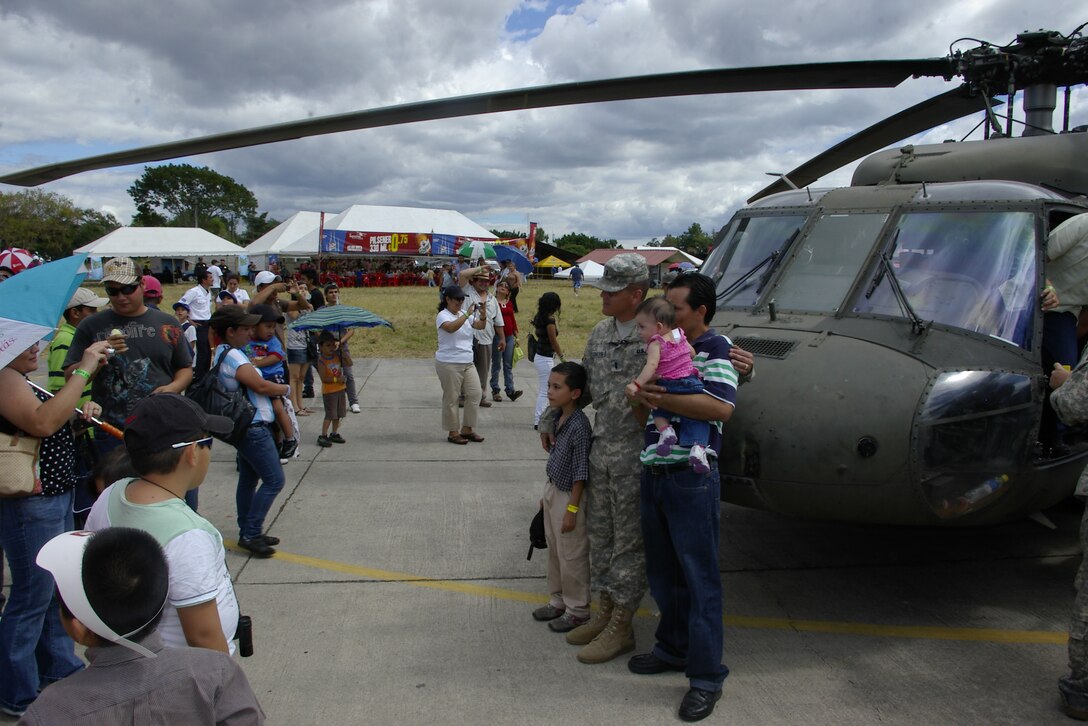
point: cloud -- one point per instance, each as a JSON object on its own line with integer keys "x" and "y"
{"x": 88, "y": 77}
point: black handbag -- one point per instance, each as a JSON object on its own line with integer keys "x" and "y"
{"x": 537, "y": 540}
{"x": 210, "y": 395}
{"x": 530, "y": 343}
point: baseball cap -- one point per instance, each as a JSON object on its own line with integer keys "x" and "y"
{"x": 84, "y": 297}
{"x": 152, "y": 287}
{"x": 265, "y": 278}
{"x": 121, "y": 270}
{"x": 232, "y": 316}
{"x": 622, "y": 270}
{"x": 164, "y": 419}
{"x": 267, "y": 313}
{"x": 62, "y": 557}
{"x": 180, "y": 305}
{"x": 453, "y": 291}
{"x": 226, "y": 295}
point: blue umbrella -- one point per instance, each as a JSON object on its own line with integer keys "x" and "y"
{"x": 521, "y": 262}
{"x": 32, "y": 302}
{"x": 338, "y": 318}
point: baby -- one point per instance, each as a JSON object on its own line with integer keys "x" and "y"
{"x": 669, "y": 361}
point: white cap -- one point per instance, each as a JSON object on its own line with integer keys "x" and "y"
{"x": 265, "y": 278}
{"x": 84, "y": 297}
{"x": 62, "y": 557}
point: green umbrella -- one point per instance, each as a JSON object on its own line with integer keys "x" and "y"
{"x": 475, "y": 249}
{"x": 338, "y": 318}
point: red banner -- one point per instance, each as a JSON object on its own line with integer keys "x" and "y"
{"x": 381, "y": 243}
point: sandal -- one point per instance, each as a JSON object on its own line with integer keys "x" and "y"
{"x": 458, "y": 439}
{"x": 472, "y": 436}
{"x": 303, "y": 412}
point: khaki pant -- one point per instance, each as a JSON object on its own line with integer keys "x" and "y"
{"x": 568, "y": 555}
{"x": 481, "y": 358}
{"x": 458, "y": 379}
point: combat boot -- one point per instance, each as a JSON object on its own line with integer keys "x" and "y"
{"x": 586, "y": 632}
{"x": 616, "y": 639}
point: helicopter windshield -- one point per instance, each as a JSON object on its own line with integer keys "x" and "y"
{"x": 747, "y": 246}
{"x": 971, "y": 270}
{"x": 824, "y": 268}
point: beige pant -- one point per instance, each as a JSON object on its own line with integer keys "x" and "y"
{"x": 458, "y": 379}
{"x": 568, "y": 555}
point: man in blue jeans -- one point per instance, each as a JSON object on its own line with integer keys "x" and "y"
{"x": 680, "y": 512}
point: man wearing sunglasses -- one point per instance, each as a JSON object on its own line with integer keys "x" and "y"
{"x": 151, "y": 354}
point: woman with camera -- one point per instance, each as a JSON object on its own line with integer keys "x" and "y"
{"x": 454, "y": 365}
{"x": 34, "y": 649}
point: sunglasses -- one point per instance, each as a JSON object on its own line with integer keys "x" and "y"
{"x": 123, "y": 290}
{"x": 205, "y": 443}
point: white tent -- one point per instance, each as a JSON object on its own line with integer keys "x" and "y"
{"x": 373, "y": 218}
{"x": 294, "y": 228}
{"x": 593, "y": 270}
{"x": 170, "y": 242}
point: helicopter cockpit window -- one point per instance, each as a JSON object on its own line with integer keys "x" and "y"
{"x": 971, "y": 270}
{"x": 745, "y": 258}
{"x": 827, "y": 261}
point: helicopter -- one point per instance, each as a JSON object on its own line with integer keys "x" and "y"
{"x": 896, "y": 321}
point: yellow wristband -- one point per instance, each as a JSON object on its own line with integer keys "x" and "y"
{"x": 572, "y": 509}
{"x": 81, "y": 372}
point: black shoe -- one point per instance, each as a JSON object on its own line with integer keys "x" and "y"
{"x": 257, "y": 546}
{"x": 308, "y": 393}
{"x": 288, "y": 448}
{"x": 270, "y": 540}
{"x": 336, "y": 439}
{"x": 698, "y": 704}
{"x": 515, "y": 395}
{"x": 649, "y": 664}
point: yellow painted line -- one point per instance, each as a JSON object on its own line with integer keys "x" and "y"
{"x": 917, "y": 632}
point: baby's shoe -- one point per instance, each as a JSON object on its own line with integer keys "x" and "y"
{"x": 697, "y": 459}
{"x": 668, "y": 438}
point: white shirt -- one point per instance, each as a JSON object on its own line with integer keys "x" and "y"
{"x": 217, "y": 275}
{"x": 491, "y": 312}
{"x": 455, "y": 347}
{"x": 228, "y": 373}
{"x": 199, "y": 301}
{"x": 241, "y": 296}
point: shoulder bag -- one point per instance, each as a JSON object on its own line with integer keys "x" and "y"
{"x": 210, "y": 395}
{"x": 19, "y": 465}
{"x": 530, "y": 342}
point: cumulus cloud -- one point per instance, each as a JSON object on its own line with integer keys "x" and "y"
{"x": 94, "y": 76}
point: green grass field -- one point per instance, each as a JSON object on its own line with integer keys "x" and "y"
{"x": 412, "y": 310}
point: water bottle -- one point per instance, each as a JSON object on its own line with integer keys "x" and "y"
{"x": 983, "y": 490}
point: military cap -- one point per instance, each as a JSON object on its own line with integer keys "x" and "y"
{"x": 622, "y": 270}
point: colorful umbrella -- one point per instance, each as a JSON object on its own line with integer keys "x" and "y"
{"x": 682, "y": 266}
{"x": 338, "y": 318}
{"x": 17, "y": 259}
{"x": 475, "y": 250}
{"x": 32, "y": 302}
{"x": 521, "y": 262}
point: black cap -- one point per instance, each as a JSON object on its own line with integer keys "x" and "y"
{"x": 226, "y": 295}
{"x": 268, "y": 313}
{"x": 164, "y": 419}
{"x": 232, "y": 316}
{"x": 453, "y": 291}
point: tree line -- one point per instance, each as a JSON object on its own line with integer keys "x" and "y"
{"x": 181, "y": 195}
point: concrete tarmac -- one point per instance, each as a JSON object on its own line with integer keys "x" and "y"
{"x": 401, "y": 594}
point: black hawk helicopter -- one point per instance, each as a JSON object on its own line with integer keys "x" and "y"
{"x": 897, "y": 321}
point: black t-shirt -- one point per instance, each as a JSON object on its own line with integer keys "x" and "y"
{"x": 156, "y": 351}
{"x": 543, "y": 342}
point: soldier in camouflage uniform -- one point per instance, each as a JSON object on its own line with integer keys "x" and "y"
{"x": 613, "y": 356}
{"x": 1070, "y": 402}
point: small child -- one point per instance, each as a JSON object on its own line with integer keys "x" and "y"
{"x": 330, "y": 366}
{"x": 669, "y": 360}
{"x": 181, "y": 312}
{"x": 266, "y": 353}
{"x": 564, "y": 524}
{"x": 113, "y": 588}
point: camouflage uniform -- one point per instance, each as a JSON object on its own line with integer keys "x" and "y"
{"x": 613, "y": 519}
{"x": 1070, "y": 402}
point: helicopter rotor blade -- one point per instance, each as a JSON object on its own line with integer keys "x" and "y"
{"x": 932, "y": 112}
{"x": 852, "y": 74}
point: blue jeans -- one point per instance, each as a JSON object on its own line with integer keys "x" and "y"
{"x": 258, "y": 461}
{"x": 34, "y": 649}
{"x": 680, "y": 529}
{"x": 689, "y": 431}
{"x": 505, "y": 360}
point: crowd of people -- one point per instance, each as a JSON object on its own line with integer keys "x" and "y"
{"x": 630, "y": 502}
